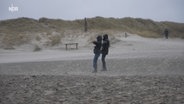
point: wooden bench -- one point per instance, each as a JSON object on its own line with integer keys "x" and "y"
{"x": 70, "y": 44}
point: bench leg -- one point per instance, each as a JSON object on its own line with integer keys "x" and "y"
{"x": 76, "y": 45}
{"x": 66, "y": 47}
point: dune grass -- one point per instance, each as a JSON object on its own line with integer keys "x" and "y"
{"x": 23, "y": 30}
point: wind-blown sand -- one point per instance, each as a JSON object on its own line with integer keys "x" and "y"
{"x": 140, "y": 71}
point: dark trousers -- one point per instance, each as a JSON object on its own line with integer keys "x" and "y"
{"x": 95, "y": 59}
{"x": 103, "y": 62}
{"x": 166, "y": 36}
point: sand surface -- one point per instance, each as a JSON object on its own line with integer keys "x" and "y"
{"x": 47, "y": 89}
{"x": 140, "y": 71}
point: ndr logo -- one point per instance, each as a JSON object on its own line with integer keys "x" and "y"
{"x": 13, "y": 8}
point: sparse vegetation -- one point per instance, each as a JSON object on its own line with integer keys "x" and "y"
{"x": 36, "y": 48}
{"x": 55, "y": 39}
{"x": 38, "y": 38}
{"x": 23, "y": 30}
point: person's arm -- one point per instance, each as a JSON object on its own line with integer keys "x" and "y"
{"x": 94, "y": 42}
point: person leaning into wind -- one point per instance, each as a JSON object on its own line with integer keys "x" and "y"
{"x": 97, "y": 51}
{"x": 105, "y": 51}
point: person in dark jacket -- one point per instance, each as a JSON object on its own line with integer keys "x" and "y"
{"x": 166, "y": 33}
{"x": 97, "y": 51}
{"x": 105, "y": 51}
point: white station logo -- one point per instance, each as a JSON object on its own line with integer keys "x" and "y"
{"x": 13, "y": 8}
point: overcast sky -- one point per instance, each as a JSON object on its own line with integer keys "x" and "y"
{"x": 157, "y": 10}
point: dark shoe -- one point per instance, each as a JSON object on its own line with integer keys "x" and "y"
{"x": 104, "y": 70}
{"x": 94, "y": 71}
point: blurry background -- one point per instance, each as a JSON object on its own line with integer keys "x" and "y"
{"x": 158, "y": 10}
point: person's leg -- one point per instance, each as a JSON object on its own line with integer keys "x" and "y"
{"x": 166, "y": 36}
{"x": 103, "y": 62}
{"x": 95, "y": 59}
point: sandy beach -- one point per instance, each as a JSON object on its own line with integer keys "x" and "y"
{"x": 139, "y": 71}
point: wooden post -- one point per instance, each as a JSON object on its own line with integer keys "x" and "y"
{"x": 85, "y": 25}
{"x": 66, "y": 46}
{"x": 76, "y": 45}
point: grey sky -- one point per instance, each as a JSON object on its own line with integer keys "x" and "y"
{"x": 158, "y": 10}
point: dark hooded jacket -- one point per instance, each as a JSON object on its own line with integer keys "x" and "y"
{"x": 105, "y": 45}
{"x": 98, "y": 45}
